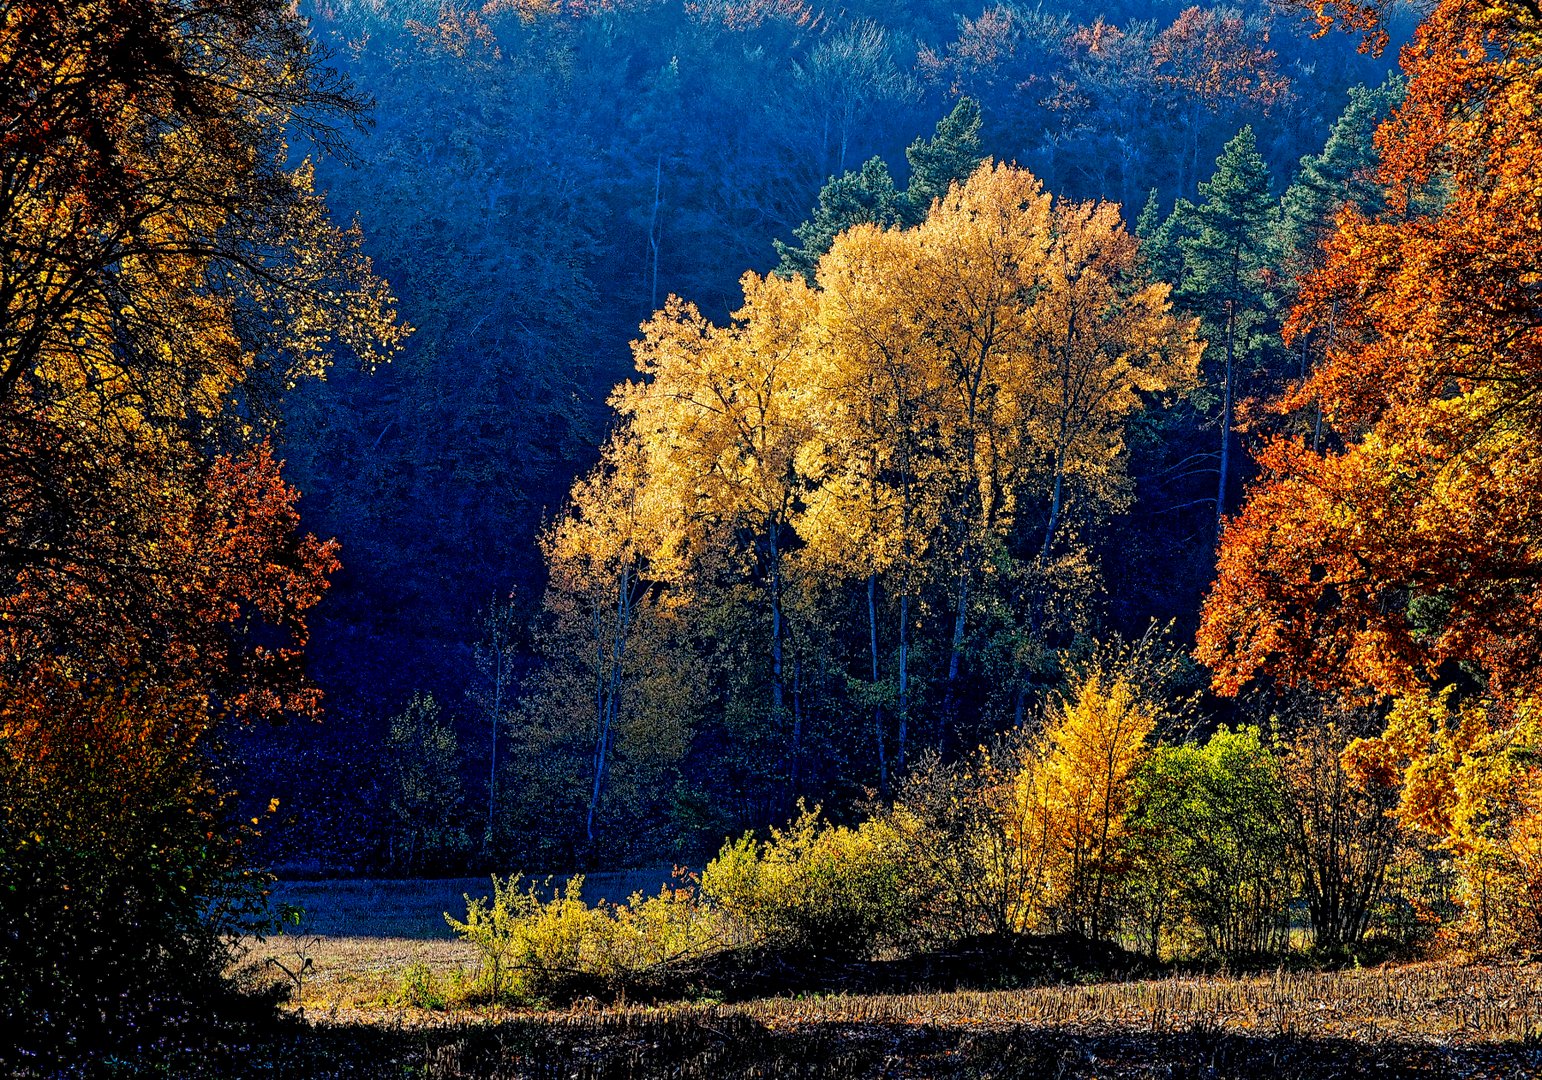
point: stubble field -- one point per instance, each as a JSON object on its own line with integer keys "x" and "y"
{"x": 1442, "y": 1019}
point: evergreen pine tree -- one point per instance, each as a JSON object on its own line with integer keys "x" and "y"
{"x": 852, "y": 199}
{"x": 869, "y": 195}
{"x": 1226, "y": 238}
{"x": 951, "y": 154}
{"x": 1150, "y": 219}
{"x": 1158, "y": 238}
{"x": 1341, "y": 175}
{"x": 1338, "y": 176}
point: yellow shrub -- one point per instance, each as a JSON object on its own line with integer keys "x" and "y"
{"x": 531, "y": 949}
{"x": 814, "y": 888}
{"x": 526, "y": 946}
{"x": 647, "y": 934}
{"x": 1068, "y": 807}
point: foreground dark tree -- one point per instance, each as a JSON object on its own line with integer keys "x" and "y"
{"x": 164, "y": 274}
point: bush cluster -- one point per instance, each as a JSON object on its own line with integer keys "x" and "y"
{"x": 531, "y": 948}
{"x": 816, "y": 889}
{"x": 1110, "y": 820}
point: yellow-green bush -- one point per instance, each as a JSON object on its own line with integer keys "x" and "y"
{"x": 814, "y": 887}
{"x": 532, "y": 948}
{"x": 420, "y": 988}
{"x": 526, "y": 945}
{"x": 637, "y": 940}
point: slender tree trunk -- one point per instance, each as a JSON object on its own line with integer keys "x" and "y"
{"x": 904, "y": 682}
{"x": 793, "y": 769}
{"x": 777, "y": 699}
{"x": 1231, "y": 342}
{"x": 872, "y": 639}
{"x": 492, "y": 771}
{"x": 1054, "y": 508}
{"x": 653, "y": 232}
{"x": 1193, "y": 182}
{"x": 950, "y": 696}
{"x": 610, "y": 698}
{"x": 845, "y": 138}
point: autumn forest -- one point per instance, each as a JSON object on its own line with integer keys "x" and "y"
{"x": 907, "y": 498}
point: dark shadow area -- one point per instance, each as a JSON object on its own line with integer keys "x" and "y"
{"x": 704, "y": 1044}
{"x": 986, "y": 962}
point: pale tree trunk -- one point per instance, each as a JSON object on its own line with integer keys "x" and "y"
{"x": 797, "y": 731}
{"x": 872, "y": 638}
{"x": 777, "y": 697}
{"x": 610, "y": 697}
{"x": 904, "y": 682}
{"x": 492, "y": 772}
{"x": 950, "y": 695}
{"x": 1054, "y": 508}
{"x": 1231, "y": 340}
{"x": 653, "y": 231}
{"x": 872, "y": 597}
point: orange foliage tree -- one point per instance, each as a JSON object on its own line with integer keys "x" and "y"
{"x": 1413, "y": 541}
{"x": 1404, "y": 554}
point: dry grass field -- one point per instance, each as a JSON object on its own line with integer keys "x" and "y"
{"x": 1426, "y": 1019}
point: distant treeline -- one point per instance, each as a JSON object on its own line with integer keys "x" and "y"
{"x": 540, "y": 177}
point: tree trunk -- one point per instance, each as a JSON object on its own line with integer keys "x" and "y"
{"x": 872, "y": 637}
{"x": 904, "y": 681}
{"x": 1054, "y": 509}
{"x": 777, "y": 698}
{"x": 1231, "y": 340}
{"x": 492, "y": 771}
{"x": 950, "y": 695}
{"x": 797, "y": 733}
{"x": 653, "y": 231}
{"x": 610, "y": 698}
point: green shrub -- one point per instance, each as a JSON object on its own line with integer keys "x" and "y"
{"x": 815, "y": 888}
{"x": 420, "y": 988}
{"x": 121, "y": 885}
{"x": 426, "y": 797}
{"x": 1211, "y": 861}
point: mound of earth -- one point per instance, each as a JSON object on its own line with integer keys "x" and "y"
{"x": 985, "y": 962}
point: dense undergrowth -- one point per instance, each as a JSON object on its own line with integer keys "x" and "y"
{"x": 1087, "y": 848}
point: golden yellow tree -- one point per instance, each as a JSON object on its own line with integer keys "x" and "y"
{"x": 1468, "y": 780}
{"x": 1074, "y": 794}
{"x": 977, "y": 365}
{"x": 926, "y": 417}
{"x": 723, "y": 416}
{"x": 980, "y": 258}
{"x": 617, "y": 679}
{"x": 1107, "y": 336}
{"x": 875, "y": 513}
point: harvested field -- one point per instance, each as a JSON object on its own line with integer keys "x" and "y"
{"x": 1427, "y": 1019}
{"x": 1430, "y": 1019}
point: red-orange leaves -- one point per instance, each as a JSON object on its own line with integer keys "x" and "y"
{"x": 1414, "y": 539}
{"x": 1295, "y": 587}
{"x": 161, "y": 567}
{"x": 259, "y": 560}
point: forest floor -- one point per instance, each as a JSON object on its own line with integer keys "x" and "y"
{"x": 1431, "y": 1018}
